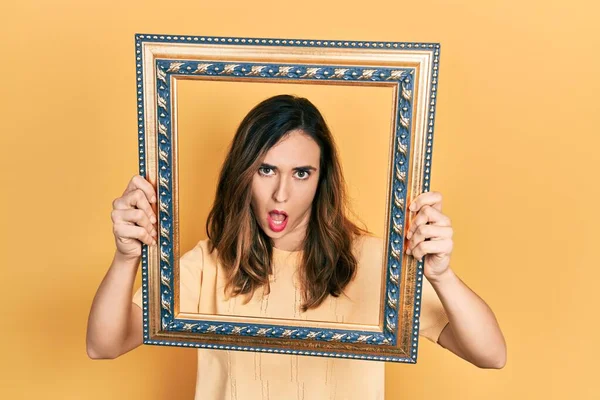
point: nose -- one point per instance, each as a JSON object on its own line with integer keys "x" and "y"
{"x": 281, "y": 193}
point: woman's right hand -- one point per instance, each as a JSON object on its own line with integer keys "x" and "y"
{"x": 134, "y": 218}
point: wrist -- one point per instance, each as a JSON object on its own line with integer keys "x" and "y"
{"x": 441, "y": 278}
{"x": 128, "y": 260}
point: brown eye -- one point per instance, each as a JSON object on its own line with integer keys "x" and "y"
{"x": 302, "y": 174}
{"x": 265, "y": 171}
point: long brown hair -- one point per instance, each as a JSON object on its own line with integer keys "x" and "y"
{"x": 244, "y": 249}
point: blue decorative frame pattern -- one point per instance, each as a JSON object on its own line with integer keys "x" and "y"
{"x": 402, "y": 77}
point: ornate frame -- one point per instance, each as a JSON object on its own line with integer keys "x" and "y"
{"x": 410, "y": 68}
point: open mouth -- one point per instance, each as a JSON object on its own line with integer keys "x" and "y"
{"x": 277, "y": 220}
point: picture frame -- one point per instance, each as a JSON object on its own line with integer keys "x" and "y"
{"x": 409, "y": 70}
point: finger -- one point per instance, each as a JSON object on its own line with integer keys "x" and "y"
{"x": 433, "y": 199}
{"x": 427, "y": 215}
{"x": 135, "y": 199}
{"x": 124, "y": 232}
{"x": 132, "y": 217}
{"x": 139, "y": 182}
{"x": 430, "y": 232}
{"x": 434, "y": 247}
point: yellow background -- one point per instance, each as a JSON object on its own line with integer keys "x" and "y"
{"x": 515, "y": 155}
{"x": 209, "y": 113}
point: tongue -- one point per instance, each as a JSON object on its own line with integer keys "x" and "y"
{"x": 277, "y": 217}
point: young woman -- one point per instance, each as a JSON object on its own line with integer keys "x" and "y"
{"x": 280, "y": 246}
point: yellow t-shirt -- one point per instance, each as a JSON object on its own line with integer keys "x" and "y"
{"x": 240, "y": 375}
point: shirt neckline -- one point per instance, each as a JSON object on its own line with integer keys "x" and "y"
{"x": 279, "y": 254}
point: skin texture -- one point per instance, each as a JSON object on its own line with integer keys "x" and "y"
{"x": 287, "y": 189}
{"x": 473, "y": 332}
{"x": 115, "y": 323}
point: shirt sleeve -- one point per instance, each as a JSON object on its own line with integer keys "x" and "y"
{"x": 190, "y": 281}
{"x": 137, "y": 297}
{"x": 433, "y": 317}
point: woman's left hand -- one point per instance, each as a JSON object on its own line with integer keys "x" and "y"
{"x": 430, "y": 235}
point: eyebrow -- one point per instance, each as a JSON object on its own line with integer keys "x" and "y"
{"x": 302, "y": 168}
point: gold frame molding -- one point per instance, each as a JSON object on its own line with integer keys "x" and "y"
{"x": 410, "y": 68}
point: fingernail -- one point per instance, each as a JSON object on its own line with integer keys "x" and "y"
{"x": 153, "y": 242}
{"x": 153, "y": 219}
{"x": 408, "y": 235}
{"x": 412, "y": 207}
{"x": 153, "y": 199}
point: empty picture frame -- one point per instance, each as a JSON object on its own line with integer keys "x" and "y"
{"x": 378, "y": 99}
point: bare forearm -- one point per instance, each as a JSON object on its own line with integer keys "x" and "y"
{"x": 473, "y": 323}
{"x": 108, "y": 322}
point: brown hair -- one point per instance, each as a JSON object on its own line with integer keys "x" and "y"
{"x": 244, "y": 250}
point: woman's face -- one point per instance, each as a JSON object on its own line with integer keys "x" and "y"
{"x": 284, "y": 187}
